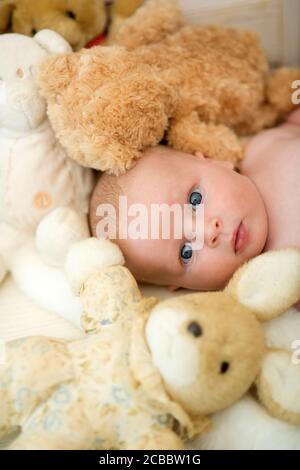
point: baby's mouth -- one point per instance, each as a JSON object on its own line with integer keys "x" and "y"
{"x": 239, "y": 238}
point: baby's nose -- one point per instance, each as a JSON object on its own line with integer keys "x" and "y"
{"x": 212, "y": 231}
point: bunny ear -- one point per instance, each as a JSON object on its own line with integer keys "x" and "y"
{"x": 268, "y": 284}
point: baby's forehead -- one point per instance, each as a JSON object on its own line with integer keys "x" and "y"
{"x": 159, "y": 161}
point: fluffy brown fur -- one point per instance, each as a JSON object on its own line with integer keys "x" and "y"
{"x": 202, "y": 87}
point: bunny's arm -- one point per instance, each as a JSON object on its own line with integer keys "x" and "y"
{"x": 109, "y": 296}
{"x": 107, "y": 289}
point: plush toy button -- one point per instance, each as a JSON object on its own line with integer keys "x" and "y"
{"x": 42, "y": 200}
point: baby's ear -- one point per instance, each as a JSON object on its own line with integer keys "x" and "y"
{"x": 268, "y": 284}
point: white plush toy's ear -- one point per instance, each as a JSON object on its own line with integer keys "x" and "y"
{"x": 268, "y": 284}
{"x": 89, "y": 256}
{"x": 52, "y": 42}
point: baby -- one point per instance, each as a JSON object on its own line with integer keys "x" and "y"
{"x": 246, "y": 212}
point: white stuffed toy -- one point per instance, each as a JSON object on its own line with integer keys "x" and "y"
{"x": 36, "y": 175}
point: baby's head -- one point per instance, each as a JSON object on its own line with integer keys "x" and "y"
{"x": 234, "y": 216}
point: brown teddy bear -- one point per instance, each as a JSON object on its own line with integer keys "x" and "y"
{"x": 78, "y": 21}
{"x": 200, "y": 87}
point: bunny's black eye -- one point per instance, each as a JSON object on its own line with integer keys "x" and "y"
{"x": 195, "y": 329}
{"x": 33, "y": 32}
{"x": 71, "y": 14}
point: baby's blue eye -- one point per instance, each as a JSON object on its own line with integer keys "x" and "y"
{"x": 186, "y": 253}
{"x": 195, "y": 198}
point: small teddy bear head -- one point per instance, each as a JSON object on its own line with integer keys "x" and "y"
{"x": 209, "y": 347}
{"x": 22, "y": 108}
{"x": 105, "y": 105}
{"x": 77, "y": 21}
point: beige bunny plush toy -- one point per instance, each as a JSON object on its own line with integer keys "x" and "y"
{"x": 149, "y": 374}
{"x": 198, "y": 87}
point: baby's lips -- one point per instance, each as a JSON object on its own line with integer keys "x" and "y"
{"x": 240, "y": 238}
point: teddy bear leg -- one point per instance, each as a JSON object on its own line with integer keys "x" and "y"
{"x": 283, "y": 90}
{"x": 189, "y": 134}
{"x": 278, "y": 386}
{"x": 150, "y": 24}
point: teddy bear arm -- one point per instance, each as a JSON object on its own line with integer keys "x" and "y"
{"x": 150, "y": 24}
{"x": 189, "y": 134}
{"x": 278, "y": 385}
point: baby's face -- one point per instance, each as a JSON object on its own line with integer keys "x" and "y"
{"x": 235, "y": 220}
